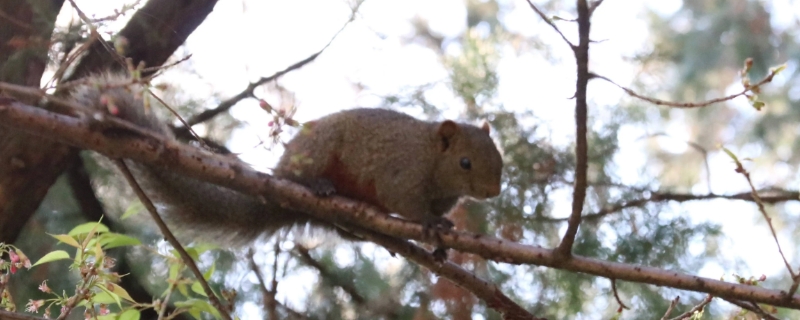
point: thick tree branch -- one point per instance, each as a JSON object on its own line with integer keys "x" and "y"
{"x": 581, "y": 145}
{"x": 119, "y": 139}
{"x": 7, "y": 315}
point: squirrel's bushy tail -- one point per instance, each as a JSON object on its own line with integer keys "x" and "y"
{"x": 189, "y": 205}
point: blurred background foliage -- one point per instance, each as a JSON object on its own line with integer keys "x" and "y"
{"x": 692, "y": 54}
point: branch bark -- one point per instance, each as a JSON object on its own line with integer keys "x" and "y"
{"x": 119, "y": 139}
{"x": 7, "y": 315}
{"x": 581, "y": 146}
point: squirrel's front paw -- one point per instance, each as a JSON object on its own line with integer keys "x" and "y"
{"x": 436, "y": 223}
{"x": 322, "y": 187}
{"x": 431, "y": 227}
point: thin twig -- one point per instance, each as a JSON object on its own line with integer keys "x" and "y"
{"x": 324, "y": 273}
{"x": 671, "y": 307}
{"x": 79, "y": 296}
{"x": 695, "y": 146}
{"x": 165, "y": 303}
{"x": 616, "y": 295}
{"x": 118, "y": 13}
{"x": 696, "y": 308}
{"x": 262, "y": 286}
{"x": 760, "y": 205}
{"x": 71, "y": 57}
{"x": 689, "y": 105}
{"x": 581, "y": 118}
{"x": 167, "y": 66}
{"x": 212, "y": 297}
{"x": 549, "y": 22}
{"x": 484, "y": 290}
{"x": 593, "y": 5}
{"x": 248, "y": 92}
{"x": 656, "y": 196}
{"x": 15, "y": 21}
{"x": 177, "y": 115}
{"x": 752, "y": 307}
{"x": 93, "y": 31}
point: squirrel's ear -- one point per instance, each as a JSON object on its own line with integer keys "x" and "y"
{"x": 447, "y": 130}
{"x": 485, "y": 127}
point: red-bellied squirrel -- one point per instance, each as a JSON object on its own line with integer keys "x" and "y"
{"x": 403, "y": 165}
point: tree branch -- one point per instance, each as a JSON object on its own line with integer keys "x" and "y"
{"x": 348, "y": 288}
{"x": 484, "y": 290}
{"x": 581, "y": 145}
{"x": 187, "y": 259}
{"x": 696, "y": 308}
{"x": 248, "y": 92}
{"x": 777, "y": 196}
{"x": 749, "y": 306}
{"x": 7, "y": 315}
{"x": 690, "y": 105}
{"x": 551, "y": 24}
{"x": 118, "y": 139}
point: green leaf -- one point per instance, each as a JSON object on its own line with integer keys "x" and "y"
{"x": 195, "y": 313}
{"x": 203, "y": 247}
{"x": 198, "y": 289}
{"x": 98, "y": 253}
{"x": 113, "y": 240}
{"x": 730, "y": 154}
{"x": 105, "y": 296}
{"x": 133, "y": 209}
{"x": 121, "y": 292}
{"x": 66, "y": 239}
{"x": 86, "y": 228}
{"x": 777, "y": 69}
{"x": 105, "y": 290}
{"x": 174, "y": 271}
{"x": 198, "y": 305}
{"x": 758, "y": 105}
{"x": 209, "y": 272}
{"x": 130, "y": 314}
{"x": 52, "y": 256}
{"x": 182, "y": 289}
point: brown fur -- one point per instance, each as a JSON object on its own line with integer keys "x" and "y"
{"x": 385, "y": 158}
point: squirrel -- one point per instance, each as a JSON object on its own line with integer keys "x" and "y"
{"x": 400, "y": 164}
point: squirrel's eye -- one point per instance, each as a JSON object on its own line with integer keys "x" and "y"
{"x": 465, "y": 163}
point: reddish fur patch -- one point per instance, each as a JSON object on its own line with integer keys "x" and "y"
{"x": 347, "y": 184}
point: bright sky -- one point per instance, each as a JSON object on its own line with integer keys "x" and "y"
{"x": 244, "y": 40}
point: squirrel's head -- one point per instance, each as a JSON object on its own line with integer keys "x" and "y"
{"x": 470, "y": 163}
